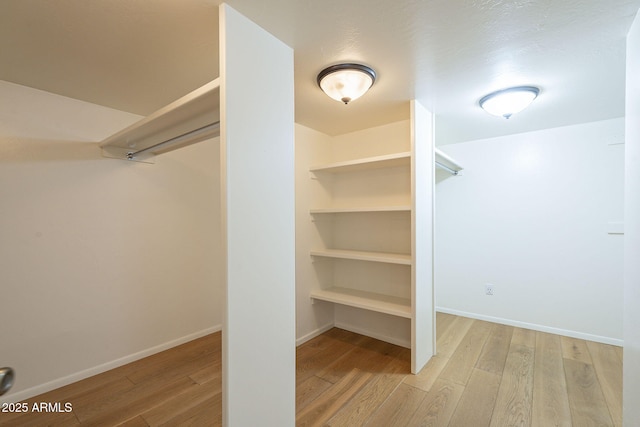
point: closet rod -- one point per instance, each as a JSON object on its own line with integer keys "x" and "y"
{"x": 447, "y": 168}
{"x": 196, "y": 133}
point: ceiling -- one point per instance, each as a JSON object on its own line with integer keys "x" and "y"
{"x": 138, "y": 55}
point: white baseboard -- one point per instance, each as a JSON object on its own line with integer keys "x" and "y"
{"x": 381, "y": 337}
{"x": 311, "y": 335}
{"x": 78, "y": 376}
{"x": 533, "y": 326}
{"x": 350, "y": 328}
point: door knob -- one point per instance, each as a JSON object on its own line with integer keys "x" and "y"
{"x": 6, "y": 380}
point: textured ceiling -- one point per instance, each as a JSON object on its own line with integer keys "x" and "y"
{"x": 137, "y": 55}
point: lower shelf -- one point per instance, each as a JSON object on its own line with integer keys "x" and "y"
{"x": 389, "y": 258}
{"x": 395, "y": 306}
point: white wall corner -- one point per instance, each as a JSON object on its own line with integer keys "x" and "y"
{"x": 631, "y": 373}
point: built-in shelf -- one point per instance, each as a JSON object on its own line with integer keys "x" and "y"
{"x": 389, "y": 258}
{"x": 190, "y": 119}
{"x": 406, "y": 208}
{"x": 395, "y": 306}
{"x": 377, "y": 162}
{"x": 442, "y": 161}
{"x": 445, "y": 162}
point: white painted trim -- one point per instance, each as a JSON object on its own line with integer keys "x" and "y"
{"x": 311, "y": 335}
{"x": 78, "y": 376}
{"x": 423, "y": 331}
{"x": 533, "y": 326}
{"x": 381, "y": 337}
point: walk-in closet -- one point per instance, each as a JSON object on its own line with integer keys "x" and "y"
{"x": 262, "y": 213}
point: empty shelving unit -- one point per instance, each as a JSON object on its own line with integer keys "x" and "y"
{"x": 375, "y": 224}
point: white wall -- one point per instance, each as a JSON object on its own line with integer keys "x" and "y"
{"x": 631, "y": 407}
{"x": 312, "y": 147}
{"x": 258, "y": 208}
{"x": 101, "y": 261}
{"x": 530, "y": 215}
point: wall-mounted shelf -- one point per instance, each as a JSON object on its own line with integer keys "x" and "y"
{"x": 403, "y": 208}
{"x": 383, "y": 206}
{"x": 366, "y": 300}
{"x": 445, "y": 162}
{"x": 386, "y": 161}
{"x": 389, "y": 258}
{"x": 190, "y": 119}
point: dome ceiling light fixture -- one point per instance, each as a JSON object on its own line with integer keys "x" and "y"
{"x": 506, "y": 102}
{"x": 346, "y": 82}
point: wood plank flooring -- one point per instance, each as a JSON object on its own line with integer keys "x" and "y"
{"x": 484, "y": 374}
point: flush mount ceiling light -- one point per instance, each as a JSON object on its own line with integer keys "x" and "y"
{"x": 506, "y": 102}
{"x": 346, "y": 82}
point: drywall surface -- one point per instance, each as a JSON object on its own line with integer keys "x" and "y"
{"x": 530, "y": 215}
{"x": 101, "y": 261}
{"x": 423, "y": 328}
{"x": 376, "y": 141}
{"x": 258, "y": 205}
{"x": 312, "y": 147}
{"x": 631, "y": 396}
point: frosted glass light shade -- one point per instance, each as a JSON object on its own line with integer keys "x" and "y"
{"x": 346, "y": 82}
{"x": 506, "y": 102}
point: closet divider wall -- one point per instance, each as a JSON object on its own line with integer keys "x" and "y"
{"x": 255, "y": 123}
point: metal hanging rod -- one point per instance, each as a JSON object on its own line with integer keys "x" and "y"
{"x": 447, "y": 168}
{"x": 196, "y": 133}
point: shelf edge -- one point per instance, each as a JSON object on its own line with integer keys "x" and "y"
{"x": 361, "y": 162}
{"x": 334, "y": 295}
{"x": 400, "y": 208}
{"x": 382, "y": 257}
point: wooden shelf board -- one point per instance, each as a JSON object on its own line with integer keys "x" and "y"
{"x": 404, "y": 208}
{"x": 194, "y": 110}
{"x": 389, "y": 258}
{"x": 366, "y": 300}
{"x": 386, "y": 161}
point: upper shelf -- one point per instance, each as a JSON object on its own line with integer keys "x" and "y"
{"x": 399, "y": 208}
{"x": 383, "y": 257}
{"x": 386, "y": 161}
{"x": 447, "y": 163}
{"x": 182, "y": 117}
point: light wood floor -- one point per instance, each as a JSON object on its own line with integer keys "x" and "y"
{"x": 485, "y": 374}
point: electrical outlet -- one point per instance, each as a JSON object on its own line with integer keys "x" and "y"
{"x": 488, "y": 289}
